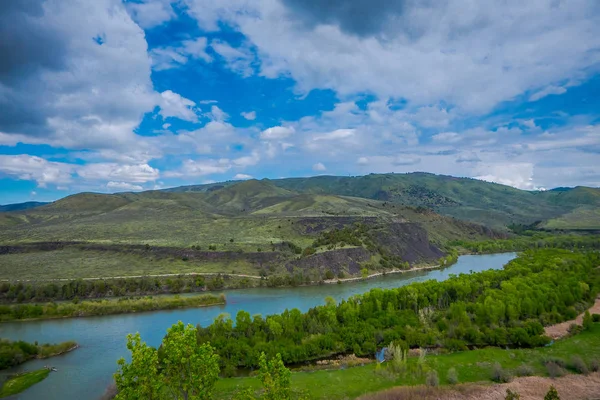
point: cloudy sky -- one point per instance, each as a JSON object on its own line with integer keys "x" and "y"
{"x": 112, "y": 95}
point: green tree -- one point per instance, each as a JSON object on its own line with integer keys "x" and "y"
{"x": 510, "y": 395}
{"x": 138, "y": 379}
{"x": 552, "y": 394}
{"x": 364, "y": 272}
{"x": 275, "y": 377}
{"x": 587, "y": 321}
{"x": 180, "y": 369}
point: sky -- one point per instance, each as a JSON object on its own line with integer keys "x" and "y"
{"x": 111, "y": 95}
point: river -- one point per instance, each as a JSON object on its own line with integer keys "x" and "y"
{"x": 86, "y": 372}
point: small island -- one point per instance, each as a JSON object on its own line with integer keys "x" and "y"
{"x": 16, "y": 353}
{"x": 87, "y": 308}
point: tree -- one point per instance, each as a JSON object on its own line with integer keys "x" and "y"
{"x": 138, "y": 379}
{"x": 275, "y": 377}
{"x": 180, "y": 369}
{"x": 587, "y": 321}
{"x": 510, "y": 395}
{"x": 552, "y": 394}
{"x": 189, "y": 370}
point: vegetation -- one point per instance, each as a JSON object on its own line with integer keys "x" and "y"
{"x": 15, "y": 353}
{"x": 104, "y": 307}
{"x": 535, "y": 241}
{"x": 182, "y": 368}
{"x": 492, "y": 308}
{"x": 20, "y": 382}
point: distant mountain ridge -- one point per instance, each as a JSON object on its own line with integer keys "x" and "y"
{"x": 469, "y": 199}
{"x": 21, "y": 206}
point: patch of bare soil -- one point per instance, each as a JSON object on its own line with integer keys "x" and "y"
{"x": 558, "y": 331}
{"x": 570, "y": 387}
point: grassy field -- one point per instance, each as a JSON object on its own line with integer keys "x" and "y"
{"x": 19, "y": 383}
{"x": 471, "y": 366}
{"x": 71, "y": 263}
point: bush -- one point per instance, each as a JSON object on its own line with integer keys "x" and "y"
{"x": 432, "y": 379}
{"x": 558, "y": 361}
{"x": 574, "y": 329}
{"x": 500, "y": 375}
{"x": 510, "y": 395}
{"x": 452, "y": 376}
{"x": 579, "y": 365}
{"x": 552, "y": 394}
{"x": 595, "y": 317}
{"x": 595, "y": 366}
{"x": 555, "y": 370}
{"x": 524, "y": 370}
{"x": 329, "y": 274}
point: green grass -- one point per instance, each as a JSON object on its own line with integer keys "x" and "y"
{"x": 472, "y": 366}
{"x": 582, "y": 218}
{"x": 72, "y": 262}
{"x": 22, "y": 382}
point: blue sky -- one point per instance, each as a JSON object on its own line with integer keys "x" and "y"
{"x": 147, "y": 94}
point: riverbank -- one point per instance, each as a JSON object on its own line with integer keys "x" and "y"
{"x": 14, "y": 353}
{"x": 18, "y": 383}
{"x": 471, "y": 366}
{"x": 87, "y": 308}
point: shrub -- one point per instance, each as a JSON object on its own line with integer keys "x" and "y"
{"x": 555, "y": 370}
{"x": 500, "y": 375}
{"x": 452, "y": 376}
{"x": 328, "y": 274}
{"x": 552, "y": 394}
{"x": 510, "y": 395}
{"x": 574, "y": 329}
{"x": 595, "y": 317}
{"x": 579, "y": 365}
{"x": 558, "y": 361}
{"x": 432, "y": 379}
{"x": 587, "y": 321}
{"x": 595, "y": 366}
{"x": 524, "y": 370}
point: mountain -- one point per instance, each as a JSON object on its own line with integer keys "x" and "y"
{"x": 21, "y": 206}
{"x": 468, "y": 199}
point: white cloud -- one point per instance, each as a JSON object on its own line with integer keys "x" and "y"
{"x": 33, "y": 168}
{"x": 362, "y": 161}
{"x": 406, "y": 160}
{"x": 139, "y": 173}
{"x": 123, "y": 186}
{"x": 151, "y": 13}
{"x": 250, "y": 116}
{"x": 319, "y": 167}
{"x": 247, "y": 161}
{"x": 174, "y": 105}
{"x": 547, "y": 91}
{"x": 427, "y": 53}
{"x": 195, "y": 168}
{"x": 277, "y": 132}
{"x": 242, "y": 177}
{"x": 33, "y": 193}
{"x": 216, "y": 114}
{"x": 175, "y": 56}
{"x": 519, "y": 175}
{"x": 240, "y": 60}
{"x": 337, "y": 134}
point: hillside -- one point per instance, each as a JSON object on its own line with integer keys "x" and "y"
{"x": 21, "y": 206}
{"x": 473, "y": 200}
{"x": 250, "y": 227}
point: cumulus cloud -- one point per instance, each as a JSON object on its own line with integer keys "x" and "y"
{"x": 151, "y": 13}
{"x": 362, "y": 161}
{"x": 32, "y": 168}
{"x": 196, "y": 168}
{"x": 139, "y": 173}
{"x": 176, "y": 56}
{"x": 427, "y": 52}
{"x": 250, "y": 116}
{"x": 174, "y": 105}
{"x": 242, "y": 177}
{"x": 519, "y": 175}
{"x": 277, "y": 132}
{"x": 319, "y": 167}
{"x": 123, "y": 186}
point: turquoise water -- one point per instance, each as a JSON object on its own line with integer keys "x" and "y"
{"x": 86, "y": 372}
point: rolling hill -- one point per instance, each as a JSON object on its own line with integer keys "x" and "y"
{"x": 243, "y": 226}
{"x": 469, "y": 199}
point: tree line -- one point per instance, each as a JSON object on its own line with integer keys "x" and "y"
{"x": 15, "y": 353}
{"x": 506, "y": 307}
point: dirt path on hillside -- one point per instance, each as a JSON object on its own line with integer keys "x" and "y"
{"x": 558, "y": 331}
{"x": 570, "y": 387}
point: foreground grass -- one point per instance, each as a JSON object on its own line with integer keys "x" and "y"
{"x": 21, "y": 382}
{"x": 105, "y": 307}
{"x": 471, "y": 366}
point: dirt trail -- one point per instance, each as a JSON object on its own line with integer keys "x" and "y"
{"x": 570, "y": 387}
{"x": 558, "y": 331}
